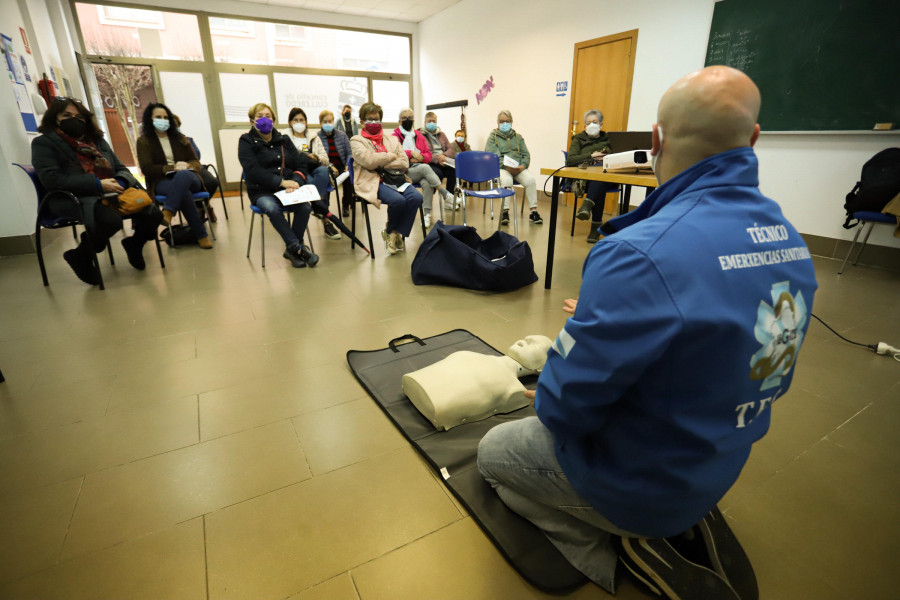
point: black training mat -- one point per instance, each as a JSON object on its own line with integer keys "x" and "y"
{"x": 452, "y": 453}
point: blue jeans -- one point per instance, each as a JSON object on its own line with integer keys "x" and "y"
{"x": 321, "y": 179}
{"x": 596, "y": 191}
{"x": 178, "y": 190}
{"x": 401, "y": 208}
{"x": 519, "y": 462}
{"x": 291, "y": 234}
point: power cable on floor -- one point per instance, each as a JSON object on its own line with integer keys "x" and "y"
{"x": 879, "y": 348}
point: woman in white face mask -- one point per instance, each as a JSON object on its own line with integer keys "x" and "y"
{"x": 308, "y": 143}
{"x": 590, "y": 146}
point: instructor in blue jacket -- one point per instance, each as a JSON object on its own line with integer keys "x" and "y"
{"x": 689, "y": 321}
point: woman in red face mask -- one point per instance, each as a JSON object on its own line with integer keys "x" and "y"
{"x": 379, "y": 172}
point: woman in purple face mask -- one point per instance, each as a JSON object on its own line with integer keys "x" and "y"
{"x": 271, "y": 163}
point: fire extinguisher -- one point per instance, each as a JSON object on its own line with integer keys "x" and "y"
{"x": 47, "y": 89}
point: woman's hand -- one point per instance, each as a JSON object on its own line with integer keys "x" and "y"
{"x": 415, "y": 156}
{"x": 313, "y": 157}
{"x": 569, "y": 306}
{"x": 441, "y": 159}
{"x": 529, "y": 395}
{"x": 514, "y": 170}
{"x": 290, "y": 185}
{"x": 598, "y": 155}
{"x": 111, "y": 185}
{"x": 181, "y": 165}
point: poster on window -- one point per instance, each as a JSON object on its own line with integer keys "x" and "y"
{"x": 315, "y": 93}
{"x": 17, "y": 80}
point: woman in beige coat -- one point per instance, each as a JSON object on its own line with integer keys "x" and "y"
{"x": 379, "y": 174}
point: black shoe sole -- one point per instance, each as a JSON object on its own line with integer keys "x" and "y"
{"x": 727, "y": 556}
{"x": 135, "y": 255}
{"x": 674, "y": 576}
{"x": 84, "y": 270}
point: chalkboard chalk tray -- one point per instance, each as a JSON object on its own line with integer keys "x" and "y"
{"x": 821, "y": 65}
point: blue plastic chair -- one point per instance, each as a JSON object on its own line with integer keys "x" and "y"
{"x": 865, "y": 216}
{"x": 255, "y": 210}
{"x": 198, "y": 197}
{"x": 474, "y": 166}
{"x": 45, "y": 221}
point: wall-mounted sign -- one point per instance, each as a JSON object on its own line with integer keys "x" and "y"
{"x": 562, "y": 87}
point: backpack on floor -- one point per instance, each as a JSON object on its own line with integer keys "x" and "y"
{"x": 456, "y": 255}
{"x": 182, "y": 234}
{"x": 878, "y": 183}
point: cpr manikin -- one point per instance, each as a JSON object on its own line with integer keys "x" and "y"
{"x": 468, "y": 386}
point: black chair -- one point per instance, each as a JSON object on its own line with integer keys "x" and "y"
{"x": 46, "y": 221}
{"x": 365, "y": 209}
{"x": 215, "y": 174}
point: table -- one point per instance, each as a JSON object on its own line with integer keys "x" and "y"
{"x": 626, "y": 180}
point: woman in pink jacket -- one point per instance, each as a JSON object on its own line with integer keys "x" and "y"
{"x": 379, "y": 175}
{"x": 418, "y": 152}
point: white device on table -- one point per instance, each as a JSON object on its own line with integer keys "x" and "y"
{"x": 633, "y": 159}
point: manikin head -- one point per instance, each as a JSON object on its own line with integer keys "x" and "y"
{"x": 531, "y": 352}
{"x": 706, "y": 112}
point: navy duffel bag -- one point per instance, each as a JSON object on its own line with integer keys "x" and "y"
{"x": 456, "y": 255}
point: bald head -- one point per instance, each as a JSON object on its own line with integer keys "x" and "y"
{"x": 706, "y": 112}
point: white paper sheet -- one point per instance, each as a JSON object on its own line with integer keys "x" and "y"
{"x": 510, "y": 162}
{"x": 342, "y": 177}
{"x": 306, "y": 193}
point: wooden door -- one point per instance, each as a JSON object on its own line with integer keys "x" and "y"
{"x": 601, "y": 78}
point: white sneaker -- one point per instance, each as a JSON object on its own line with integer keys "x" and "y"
{"x": 389, "y": 242}
{"x": 427, "y": 220}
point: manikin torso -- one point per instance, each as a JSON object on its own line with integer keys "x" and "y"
{"x": 468, "y": 386}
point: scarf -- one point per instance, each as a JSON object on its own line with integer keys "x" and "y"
{"x": 89, "y": 156}
{"x": 378, "y": 140}
{"x": 409, "y": 139}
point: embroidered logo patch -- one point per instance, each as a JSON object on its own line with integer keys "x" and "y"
{"x": 779, "y": 329}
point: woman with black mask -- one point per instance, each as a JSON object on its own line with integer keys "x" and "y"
{"x": 72, "y": 155}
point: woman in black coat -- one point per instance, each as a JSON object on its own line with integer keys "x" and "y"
{"x": 272, "y": 163}
{"x": 72, "y": 155}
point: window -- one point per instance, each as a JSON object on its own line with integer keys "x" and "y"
{"x": 116, "y": 31}
{"x": 315, "y": 93}
{"x": 291, "y": 34}
{"x": 393, "y": 96}
{"x": 236, "y": 27}
{"x": 240, "y": 91}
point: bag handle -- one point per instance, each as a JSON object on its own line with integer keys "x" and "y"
{"x": 393, "y": 343}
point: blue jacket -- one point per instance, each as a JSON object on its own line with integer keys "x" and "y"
{"x": 687, "y": 327}
{"x": 341, "y": 144}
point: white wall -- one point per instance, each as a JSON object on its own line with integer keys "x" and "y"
{"x": 530, "y": 47}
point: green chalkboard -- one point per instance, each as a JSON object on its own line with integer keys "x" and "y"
{"x": 821, "y": 65}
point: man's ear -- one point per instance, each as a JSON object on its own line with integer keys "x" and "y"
{"x": 657, "y": 143}
{"x": 755, "y": 135}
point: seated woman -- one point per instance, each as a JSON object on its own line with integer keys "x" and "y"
{"x": 590, "y": 146}
{"x": 440, "y": 151}
{"x": 72, "y": 155}
{"x": 307, "y": 144}
{"x": 505, "y": 142}
{"x": 209, "y": 180}
{"x": 171, "y": 168}
{"x": 272, "y": 163}
{"x": 459, "y": 143}
{"x": 416, "y": 147}
{"x": 336, "y": 145}
{"x": 373, "y": 152}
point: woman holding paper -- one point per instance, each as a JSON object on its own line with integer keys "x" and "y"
{"x": 171, "y": 168}
{"x": 509, "y": 145}
{"x": 379, "y": 175}
{"x": 337, "y": 147}
{"x": 441, "y": 151}
{"x": 273, "y": 164}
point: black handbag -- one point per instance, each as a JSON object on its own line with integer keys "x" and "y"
{"x": 392, "y": 177}
{"x": 456, "y": 255}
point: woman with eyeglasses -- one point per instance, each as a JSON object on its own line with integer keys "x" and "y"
{"x": 171, "y": 168}
{"x": 272, "y": 163}
{"x": 72, "y": 155}
{"x": 379, "y": 175}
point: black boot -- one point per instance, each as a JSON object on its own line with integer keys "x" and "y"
{"x": 584, "y": 211}
{"x": 134, "y": 248}
{"x": 81, "y": 259}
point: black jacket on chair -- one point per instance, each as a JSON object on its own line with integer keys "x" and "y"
{"x": 58, "y": 168}
{"x": 261, "y": 161}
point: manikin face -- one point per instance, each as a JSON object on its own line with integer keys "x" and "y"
{"x": 531, "y": 352}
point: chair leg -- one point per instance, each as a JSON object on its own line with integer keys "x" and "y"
{"x": 422, "y": 218}
{"x": 574, "y": 212}
{"x": 74, "y": 233}
{"x": 40, "y": 253}
{"x": 262, "y": 239}
{"x": 514, "y": 216}
{"x": 353, "y": 223}
{"x": 309, "y": 239}
{"x": 162, "y": 262}
{"x": 865, "y": 240}
{"x": 211, "y": 231}
{"x": 462, "y": 204}
{"x": 365, "y": 210}
{"x": 112, "y": 260}
{"x": 850, "y": 249}
{"x": 250, "y": 237}
{"x": 241, "y": 192}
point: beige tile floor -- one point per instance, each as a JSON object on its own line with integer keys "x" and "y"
{"x": 196, "y": 433}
